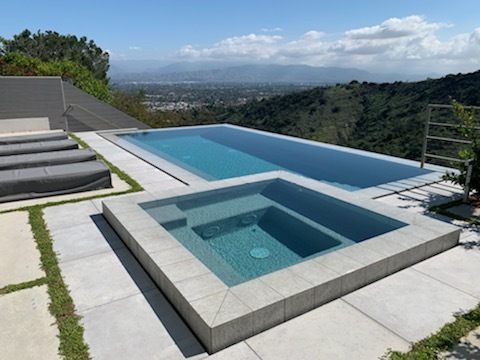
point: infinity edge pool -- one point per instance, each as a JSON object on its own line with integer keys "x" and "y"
{"x": 190, "y": 176}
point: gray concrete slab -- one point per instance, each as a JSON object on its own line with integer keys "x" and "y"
{"x": 240, "y": 351}
{"x": 467, "y": 211}
{"x": 68, "y": 215}
{"x": 148, "y": 328}
{"x": 458, "y": 268}
{"x": 27, "y": 329}
{"x": 160, "y": 187}
{"x": 403, "y": 202}
{"x": 333, "y": 331}
{"x": 149, "y": 176}
{"x": 85, "y": 239}
{"x": 99, "y": 279}
{"x": 19, "y": 256}
{"x": 411, "y": 304}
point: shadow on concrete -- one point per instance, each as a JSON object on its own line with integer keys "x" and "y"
{"x": 183, "y": 337}
{"x": 465, "y": 350}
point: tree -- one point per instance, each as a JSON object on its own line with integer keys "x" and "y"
{"x": 132, "y": 104}
{"x": 14, "y": 64}
{"x": 51, "y": 46}
{"x": 468, "y": 128}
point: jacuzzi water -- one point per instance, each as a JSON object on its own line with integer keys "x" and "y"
{"x": 251, "y": 230}
{"x": 221, "y": 152}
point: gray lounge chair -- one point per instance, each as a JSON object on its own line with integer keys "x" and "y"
{"x": 46, "y": 158}
{"x": 37, "y": 147}
{"x": 20, "y": 184}
{"x": 50, "y": 136}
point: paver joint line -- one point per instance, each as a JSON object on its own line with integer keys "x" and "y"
{"x": 440, "y": 281}
{"x": 374, "y": 320}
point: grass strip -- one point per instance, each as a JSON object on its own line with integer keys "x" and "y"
{"x": 25, "y": 285}
{"x": 446, "y": 338}
{"x": 122, "y": 175}
{"x": 72, "y": 345}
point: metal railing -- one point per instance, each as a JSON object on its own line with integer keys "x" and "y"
{"x": 72, "y": 107}
{"x": 467, "y": 163}
{"x": 427, "y": 135}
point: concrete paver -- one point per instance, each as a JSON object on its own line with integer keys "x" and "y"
{"x": 68, "y": 215}
{"x": 27, "y": 329}
{"x": 458, "y": 268}
{"x": 19, "y": 256}
{"x": 411, "y": 304}
{"x": 333, "y": 331}
{"x": 240, "y": 351}
{"x": 466, "y": 211}
{"x": 108, "y": 276}
{"x": 147, "y": 328}
{"x": 85, "y": 239}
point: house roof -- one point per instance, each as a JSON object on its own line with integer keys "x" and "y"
{"x": 37, "y": 96}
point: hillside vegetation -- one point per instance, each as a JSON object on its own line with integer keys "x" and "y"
{"x": 386, "y": 118}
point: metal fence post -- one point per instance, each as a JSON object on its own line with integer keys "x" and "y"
{"x": 427, "y": 125}
{"x": 466, "y": 190}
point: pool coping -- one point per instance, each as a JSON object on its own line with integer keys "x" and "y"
{"x": 220, "y": 315}
{"x": 189, "y": 178}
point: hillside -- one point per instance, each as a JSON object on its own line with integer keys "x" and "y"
{"x": 385, "y": 118}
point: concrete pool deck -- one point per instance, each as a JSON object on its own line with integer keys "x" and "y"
{"x": 125, "y": 316}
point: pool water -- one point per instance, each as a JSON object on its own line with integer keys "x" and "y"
{"x": 209, "y": 159}
{"x": 276, "y": 240}
{"x": 252, "y": 230}
{"x": 222, "y": 151}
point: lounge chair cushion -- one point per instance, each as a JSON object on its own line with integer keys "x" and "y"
{"x": 50, "y": 136}
{"x": 37, "y": 182}
{"x": 46, "y": 158}
{"x": 36, "y": 147}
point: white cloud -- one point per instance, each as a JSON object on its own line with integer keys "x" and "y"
{"x": 250, "y": 46}
{"x": 395, "y": 28}
{"x": 275, "y": 29}
{"x": 134, "y": 48}
{"x": 409, "y": 44}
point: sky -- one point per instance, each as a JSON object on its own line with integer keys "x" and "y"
{"x": 383, "y": 36}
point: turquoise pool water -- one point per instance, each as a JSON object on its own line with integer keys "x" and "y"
{"x": 251, "y": 230}
{"x": 221, "y": 152}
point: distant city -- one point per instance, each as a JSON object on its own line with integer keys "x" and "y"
{"x": 189, "y": 85}
{"x": 188, "y": 96}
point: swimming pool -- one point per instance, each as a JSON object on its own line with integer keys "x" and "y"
{"x": 197, "y": 245}
{"x": 216, "y": 152}
{"x": 255, "y": 229}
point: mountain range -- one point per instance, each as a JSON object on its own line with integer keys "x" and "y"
{"x": 222, "y": 72}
